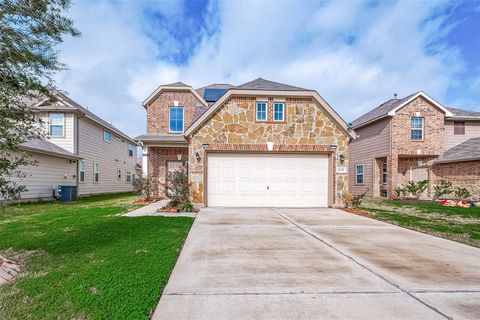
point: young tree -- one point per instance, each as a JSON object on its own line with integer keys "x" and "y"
{"x": 29, "y": 32}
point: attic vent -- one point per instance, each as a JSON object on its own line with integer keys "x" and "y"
{"x": 212, "y": 95}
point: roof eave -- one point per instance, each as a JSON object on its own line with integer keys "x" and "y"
{"x": 56, "y": 154}
{"x": 162, "y": 88}
{"x": 457, "y": 160}
{"x": 426, "y": 96}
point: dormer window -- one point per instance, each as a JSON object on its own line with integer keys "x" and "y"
{"x": 416, "y": 128}
{"x": 56, "y": 124}
{"x": 176, "y": 119}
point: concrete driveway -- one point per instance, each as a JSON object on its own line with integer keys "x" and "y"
{"x": 317, "y": 264}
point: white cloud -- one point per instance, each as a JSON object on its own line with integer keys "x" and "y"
{"x": 355, "y": 54}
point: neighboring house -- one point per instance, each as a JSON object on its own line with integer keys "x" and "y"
{"x": 258, "y": 144}
{"x": 79, "y": 149}
{"x": 414, "y": 138}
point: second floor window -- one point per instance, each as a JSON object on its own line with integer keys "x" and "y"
{"x": 56, "y": 123}
{"x": 131, "y": 149}
{"x": 416, "y": 128}
{"x": 278, "y": 111}
{"x": 262, "y": 111}
{"x": 176, "y": 119}
{"x": 107, "y": 136}
{"x": 459, "y": 127}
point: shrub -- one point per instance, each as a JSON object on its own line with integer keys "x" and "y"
{"x": 442, "y": 189}
{"x": 177, "y": 190}
{"x": 416, "y": 188}
{"x": 401, "y": 192}
{"x": 353, "y": 200}
{"x": 461, "y": 193}
{"x": 145, "y": 187}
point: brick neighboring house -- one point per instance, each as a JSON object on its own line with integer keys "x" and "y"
{"x": 414, "y": 138}
{"x": 262, "y": 143}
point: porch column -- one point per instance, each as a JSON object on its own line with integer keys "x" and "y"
{"x": 145, "y": 161}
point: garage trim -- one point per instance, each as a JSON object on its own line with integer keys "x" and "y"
{"x": 331, "y": 166}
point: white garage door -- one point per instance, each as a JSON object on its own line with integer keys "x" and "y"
{"x": 267, "y": 180}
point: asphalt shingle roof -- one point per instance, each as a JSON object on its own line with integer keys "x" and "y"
{"x": 468, "y": 150}
{"x": 380, "y": 111}
{"x": 262, "y": 84}
{"x": 464, "y": 113}
{"x": 45, "y": 146}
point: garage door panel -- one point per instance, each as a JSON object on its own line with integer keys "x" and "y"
{"x": 293, "y": 180}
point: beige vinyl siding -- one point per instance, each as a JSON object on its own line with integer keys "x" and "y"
{"x": 472, "y": 130}
{"x": 66, "y": 142}
{"x": 48, "y": 174}
{"x": 111, "y": 157}
{"x": 373, "y": 141}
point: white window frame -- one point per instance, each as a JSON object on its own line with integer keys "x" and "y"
{"x": 361, "y": 174}
{"x": 384, "y": 173}
{"x": 183, "y": 120}
{"x": 104, "y": 132}
{"x": 119, "y": 174}
{"x": 128, "y": 176}
{"x": 50, "y": 124}
{"x": 416, "y": 129}
{"x": 283, "y": 111}
{"x": 132, "y": 149}
{"x": 266, "y": 111}
{"x": 80, "y": 171}
{"x": 96, "y": 172}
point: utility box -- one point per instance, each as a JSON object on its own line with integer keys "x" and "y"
{"x": 68, "y": 193}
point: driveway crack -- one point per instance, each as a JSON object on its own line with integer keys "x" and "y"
{"x": 362, "y": 265}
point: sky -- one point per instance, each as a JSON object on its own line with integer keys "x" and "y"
{"x": 355, "y": 54}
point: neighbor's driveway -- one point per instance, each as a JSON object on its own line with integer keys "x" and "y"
{"x": 317, "y": 264}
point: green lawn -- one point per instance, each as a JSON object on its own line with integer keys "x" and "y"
{"x": 85, "y": 261}
{"x": 458, "y": 224}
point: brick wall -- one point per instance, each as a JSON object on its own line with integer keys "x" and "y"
{"x": 463, "y": 174}
{"x": 157, "y": 163}
{"x": 402, "y": 144}
{"x": 157, "y": 110}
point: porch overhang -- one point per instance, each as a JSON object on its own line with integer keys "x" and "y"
{"x": 163, "y": 140}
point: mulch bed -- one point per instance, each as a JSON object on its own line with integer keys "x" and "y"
{"x": 356, "y": 211}
{"x": 144, "y": 201}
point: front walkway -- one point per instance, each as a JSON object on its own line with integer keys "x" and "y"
{"x": 151, "y": 210}
{"x": 317, "y": 264}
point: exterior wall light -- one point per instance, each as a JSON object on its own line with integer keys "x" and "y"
{"x": 179, "y": 157}
{"x": 197, "y": 155}
{"x": 341, "y": 158}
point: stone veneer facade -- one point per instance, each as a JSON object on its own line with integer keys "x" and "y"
{"x": 307, "y": 128}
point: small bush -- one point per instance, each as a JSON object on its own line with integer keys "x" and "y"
{"x": 178, "y": 191}
{"x": 145, "y": 187}
{"x": 461, "y": 193}
{"x": 416, "y": 188}
{"x": 177, "y": 188}
{"x": 401, "y": 192}
{"x": 353, "y": 200}
{"x": 442, "y": 189}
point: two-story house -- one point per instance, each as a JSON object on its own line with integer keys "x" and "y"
{"x": 414, "y": 138}
{"x": 78, "y": 149}
{"x": 261, "y": 143}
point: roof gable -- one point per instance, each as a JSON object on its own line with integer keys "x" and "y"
{"x": 390, "y": 107}
{"x": 173, "y": 86}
